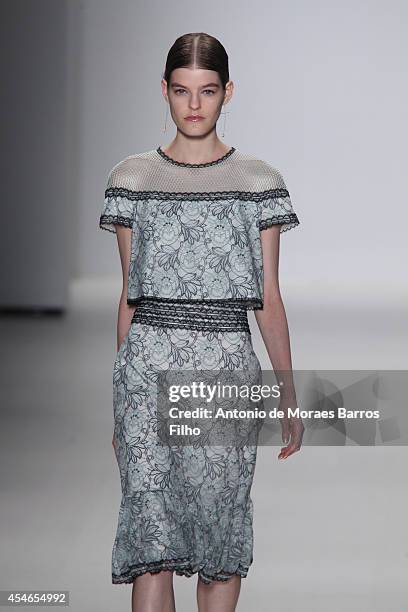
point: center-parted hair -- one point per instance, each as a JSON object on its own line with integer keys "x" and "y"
{"x": 197, "y": 50}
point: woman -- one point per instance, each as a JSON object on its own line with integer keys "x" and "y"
{"x": 198, "y": 226}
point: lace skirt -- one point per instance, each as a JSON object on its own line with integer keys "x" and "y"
{"x": 185, "y": 508}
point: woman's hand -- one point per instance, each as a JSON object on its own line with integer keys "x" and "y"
{"x": 292, "y": 430}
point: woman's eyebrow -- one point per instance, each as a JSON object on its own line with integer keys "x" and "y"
{"x": 207, "y": 85}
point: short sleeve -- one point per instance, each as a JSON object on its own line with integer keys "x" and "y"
{"x": 277, "y": 208}
{"x": 117, "y": 208}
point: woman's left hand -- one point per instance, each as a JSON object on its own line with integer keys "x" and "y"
{"x": 292, "y": 432}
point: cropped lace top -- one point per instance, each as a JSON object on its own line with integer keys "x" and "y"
{"x": 196, "y": 227}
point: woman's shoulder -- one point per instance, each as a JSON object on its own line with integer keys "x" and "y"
{"x": 262, "y": 174}
{"x": 127, "y": 172}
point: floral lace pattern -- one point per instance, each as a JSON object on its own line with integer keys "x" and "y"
{"x": 186, "y": 508}
{"x": 195, "y": 269}
{"x": 197, "y": 248}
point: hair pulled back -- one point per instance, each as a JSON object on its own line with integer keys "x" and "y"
{"x": 197, "y": 50}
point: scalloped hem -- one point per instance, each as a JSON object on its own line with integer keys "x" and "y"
{"x": 107, "y": 222}
{"x": 287, "y": 221}
{"x": 180, "y": 567}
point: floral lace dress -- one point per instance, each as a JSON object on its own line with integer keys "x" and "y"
{"x": 195, "y": 270}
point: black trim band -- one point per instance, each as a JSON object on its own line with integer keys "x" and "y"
{"x": 278, "y": 220}
{"x": 192, "y": 314}
{"x": 249, "y": 302}
{"x": 256, "y": 196}
{"x": 187, "y": 165}
{"x": 182, "y": 566}
{"x": 114, "y": 220}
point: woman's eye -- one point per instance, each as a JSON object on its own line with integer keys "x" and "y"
{"x": 210, "y": 91}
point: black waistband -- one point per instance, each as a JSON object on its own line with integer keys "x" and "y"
{"x": 199, "y": 315}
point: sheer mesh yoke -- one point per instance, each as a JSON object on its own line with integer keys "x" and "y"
{"x": 196, "y": 227}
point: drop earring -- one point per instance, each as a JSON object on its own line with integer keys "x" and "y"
{"x": 223, "y": 129}
{"x": 167, "y": 114}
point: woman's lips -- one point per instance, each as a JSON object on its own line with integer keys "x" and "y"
{"x": 194, "y": 118}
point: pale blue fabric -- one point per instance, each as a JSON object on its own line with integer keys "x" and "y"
{"x": 195, "y": 235}
{"x": 183, "y": 508}
{"x": 197, "y": 249}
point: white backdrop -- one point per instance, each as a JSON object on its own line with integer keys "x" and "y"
{"x": 319, "y": 93}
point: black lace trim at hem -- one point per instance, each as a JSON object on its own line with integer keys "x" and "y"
{"x": 182, "y": 567}
{"x": 114, "y": 219}
{"x": 288, "y": 218}
{"x": 258, "y": 196}
{"x": 187, "y": 165}
{"x": 249, "y": 302}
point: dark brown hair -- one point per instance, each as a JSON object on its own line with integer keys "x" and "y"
{"x": 200, "y": 50}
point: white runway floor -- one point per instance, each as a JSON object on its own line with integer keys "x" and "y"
{"x": 330, "y": 522}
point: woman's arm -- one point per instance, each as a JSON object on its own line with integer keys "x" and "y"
{"x": 125, "y": 312}
{"x": 274, "y": 330}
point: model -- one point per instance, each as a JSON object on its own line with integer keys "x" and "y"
{"x": 198, "y": 226}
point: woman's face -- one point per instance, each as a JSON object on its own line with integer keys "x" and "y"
{"x": 194, "y": 92}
